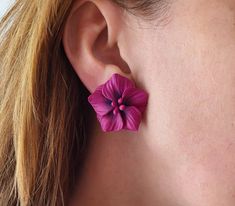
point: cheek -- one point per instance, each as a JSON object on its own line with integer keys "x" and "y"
{"x": 192, "y": 111}
{"x": 189, "y": 71}
{"x": 195, "y": 89}
{"x": 188, "y": 68}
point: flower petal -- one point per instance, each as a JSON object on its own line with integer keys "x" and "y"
{"x": 132, "y": 118}
{"x": 101, "y": 105}
{"x": 135, "y": 97}
{"x": 114, "y": 87}
{"x": 111, "y": 122}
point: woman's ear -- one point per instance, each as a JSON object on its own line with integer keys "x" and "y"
{"x": 90, "y": 40}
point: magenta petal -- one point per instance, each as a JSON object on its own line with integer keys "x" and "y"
{"x": 132, "y": 118}
{"x": 111, "y": 122}
{"x": 135, "y": 97}
{"x": 99, "y": 102}
{"x": 114, "y": 88}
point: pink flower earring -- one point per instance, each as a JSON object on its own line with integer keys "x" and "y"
{"x": 119, "y": 104}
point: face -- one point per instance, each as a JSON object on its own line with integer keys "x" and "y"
{"x": 186, "y": 62}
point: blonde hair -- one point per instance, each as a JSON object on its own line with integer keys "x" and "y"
{"x": 43, "y": 105}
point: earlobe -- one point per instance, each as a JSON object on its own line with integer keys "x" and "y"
{"x": 90, "y": 41}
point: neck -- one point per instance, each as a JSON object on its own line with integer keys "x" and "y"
{"x": 122, "y": 168}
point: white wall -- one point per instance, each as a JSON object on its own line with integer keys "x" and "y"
{"x": 4, "y": 4}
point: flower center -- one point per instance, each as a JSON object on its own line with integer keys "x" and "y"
{"x": 118, "y": 107}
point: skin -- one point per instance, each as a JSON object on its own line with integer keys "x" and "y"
{"x": 183, "y": 154}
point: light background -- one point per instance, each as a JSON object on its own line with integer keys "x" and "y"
{"x": 4, "y": 5}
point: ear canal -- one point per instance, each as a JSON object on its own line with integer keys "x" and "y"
{"x": 110, "y": 55}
